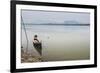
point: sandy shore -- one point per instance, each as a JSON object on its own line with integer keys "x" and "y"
{"x": 28, "y": 58}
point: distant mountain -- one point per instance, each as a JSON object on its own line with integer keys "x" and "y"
{"x": 63, "y": 23}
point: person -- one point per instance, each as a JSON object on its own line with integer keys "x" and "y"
{"x": 36, "y": 39}
{"x": 37, "y": 44}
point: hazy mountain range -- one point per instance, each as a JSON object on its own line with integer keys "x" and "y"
{"x": 64, "y": 23}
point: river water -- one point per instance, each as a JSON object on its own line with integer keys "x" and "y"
{"x": 59, "y": 42}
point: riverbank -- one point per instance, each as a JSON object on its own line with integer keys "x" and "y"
{"x": 29, "y": 58}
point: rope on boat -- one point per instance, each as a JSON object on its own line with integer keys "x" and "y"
{"x": 25, "y": 32}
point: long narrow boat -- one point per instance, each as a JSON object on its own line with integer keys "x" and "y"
{"x": 38, "y": 47}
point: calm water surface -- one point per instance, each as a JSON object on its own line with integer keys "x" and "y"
{"x": 60, "y": 42}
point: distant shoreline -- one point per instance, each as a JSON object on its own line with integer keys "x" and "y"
{"x": 63, "y": 24}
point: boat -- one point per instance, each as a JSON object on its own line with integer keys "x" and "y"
{"x": 38, "y": 47}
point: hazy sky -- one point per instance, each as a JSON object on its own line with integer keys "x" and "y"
{"x": 31, "y": 16}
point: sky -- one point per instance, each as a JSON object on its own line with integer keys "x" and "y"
{"x": 40, "y": 17}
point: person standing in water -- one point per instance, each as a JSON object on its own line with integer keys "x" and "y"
{"x": 37, "y": 44}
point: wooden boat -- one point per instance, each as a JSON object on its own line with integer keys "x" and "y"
{"x": 38, "y": 47}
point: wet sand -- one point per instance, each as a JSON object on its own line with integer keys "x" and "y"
{"x": 29, "y": 58}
